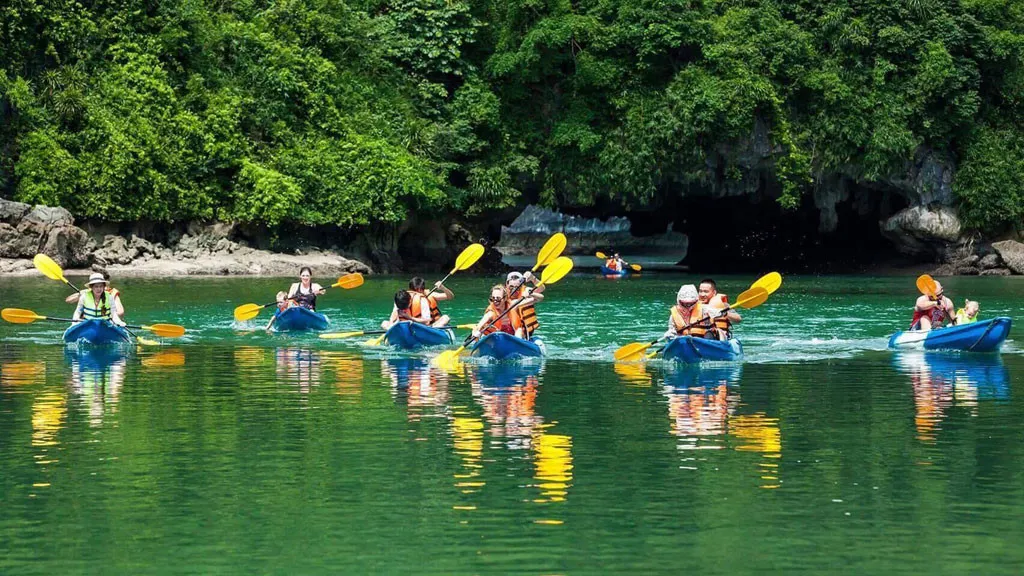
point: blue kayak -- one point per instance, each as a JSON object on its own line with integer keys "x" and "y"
{"x": 410, "y": 336}
{"x": 985, "y": 336}
{"x": 502, "y": 346}
{"x": 606, "y": 271}
{"x": 96, "y": 332}
{"x": 299, "y": 319}
{"x": 690, "y": 350}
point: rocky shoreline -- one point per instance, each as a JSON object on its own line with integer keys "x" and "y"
{"x": 200, "y": 251}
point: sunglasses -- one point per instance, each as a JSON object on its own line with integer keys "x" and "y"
{"x": 496, "y": 300}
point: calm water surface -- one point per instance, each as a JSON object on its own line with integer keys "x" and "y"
{"x": 235, "y": 451}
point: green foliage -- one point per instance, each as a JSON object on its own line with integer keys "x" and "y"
{"x": 358, "y": 113}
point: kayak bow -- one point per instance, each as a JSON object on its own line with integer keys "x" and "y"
{"x": 985, "y": 336}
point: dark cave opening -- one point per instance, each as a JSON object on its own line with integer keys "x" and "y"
{"x": 742, "y": 234}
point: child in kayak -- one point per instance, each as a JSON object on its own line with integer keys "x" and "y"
{"x": 931, "y": 311}
{"x": 96, "y": 303}
{"x": 420, "y": 307}
{"x": 283, "y": 303}
{"x": 968, "y": 314}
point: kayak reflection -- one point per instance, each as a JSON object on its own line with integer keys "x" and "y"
{"x": 700, "y": 401}
{"x": 944, "y": 380}
{"x": 423, "y": 387}
{"x": 508, "y": 395}
{"x": 97, "y": 375}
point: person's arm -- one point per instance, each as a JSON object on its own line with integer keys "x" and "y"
{"x": 318, "y": 289}
{"x": 949, "y": 309}
{"x": 78, "y": 311}
{"x": 74, "y": 298}
{"x": 734, "y": 317}
{"x": 292, "y": 290}
{"x": 273, "y": 317}
{"x": 444, "y": 294}
{"x": 118, "y": 307}
{"x": 115, "y": 317}
{"x": 484, "y": 321}
{"x": 671, "y": 332}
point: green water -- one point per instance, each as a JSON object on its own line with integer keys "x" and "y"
{"x": 235, "y": 451}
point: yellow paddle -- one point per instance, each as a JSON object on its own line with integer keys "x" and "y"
{"x": 51, "y": 270}
{"x": 337, "y": 335}
{"x": 769, "y": 283}
{"x": 554, "y": 272}
{"x": 635, "y": 267}
{"x": 552, "y": 249}
{"x": 21, "y": 316}
{"x": 250, "y": 311}
{"x": 467, "y": 258}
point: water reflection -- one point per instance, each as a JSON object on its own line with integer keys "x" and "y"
{"x": 19, "y": 373}
{"x": 700, "y": 401}
{"x": 96, "y": 378}
{"x": 423, "y": 387}
{"x": 507, "y": 392}
{"x": 298, "y": 366}
{"x": 348, "y": 372}
{"x": 943, "y": 380}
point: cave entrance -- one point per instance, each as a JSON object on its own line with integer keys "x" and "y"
{"x": 748, "y": 234}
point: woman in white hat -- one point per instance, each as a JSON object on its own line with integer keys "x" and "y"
{"x": 111, "y": 292}
{"x": 98, "y": 304}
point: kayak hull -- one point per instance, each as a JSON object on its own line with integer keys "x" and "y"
{"x": 96, "y": 332}
{"x": 606, "y": 271}
{"x": 299, "y": 319}
{"x": 502, "y": 346}
{"x": 985, "y": 336}
{"x": 690, "y": 350}
{"x": 410, "y": 336}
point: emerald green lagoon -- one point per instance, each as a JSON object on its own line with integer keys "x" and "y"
{"x": 235, "y": 451}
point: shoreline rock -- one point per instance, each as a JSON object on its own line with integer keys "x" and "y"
{"x": 203, "y": 250}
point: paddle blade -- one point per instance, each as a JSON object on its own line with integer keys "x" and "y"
{"x": 770, "y": 282}
{"x": 337, "y": 335}
{"x": 448, "y": 359}
{"x": 349, "y": 281}
{"x": 19, "y": 316}
{"x": 552, "y": 249}
{"x": 166, "y": 330}
{"x": 466, "y": 326}
{"x": 636, "y": 267}
{"x": 631, "y": 352}
{"x": 926, "y": 284}
{"x": 469, "y": 256}
{"x": 751, "y": 298}
{"x": 556, "y": 270}
{"x": 48, "y": 267}
{"x": 375, "y": 341}
{"x": 247, "y": 312}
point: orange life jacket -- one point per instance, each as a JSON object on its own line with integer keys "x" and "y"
{"x": 527, "y": 313}
{"x": 508, "y": 324}
{"x": 696, "y": 315}
{"x": 416, "y": 307}
{"x": 722, "y": 323}
{"x": 612, "y": 264}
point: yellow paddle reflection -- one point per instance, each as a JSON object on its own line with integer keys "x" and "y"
{"x": 552, "y": 462}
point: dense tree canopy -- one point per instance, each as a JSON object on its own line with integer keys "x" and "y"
{"x": 356, "y": 112}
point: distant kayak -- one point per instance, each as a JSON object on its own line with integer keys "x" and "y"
{"x": 690, "y": 350}
{"x": 410, "y": 336}
{"x": 501, "y": 346}
{"x": 606, "y": 271}
{"x": 985, "y": 336}
{"x": 299, "y": 319}
{"x": 96, "y": 332}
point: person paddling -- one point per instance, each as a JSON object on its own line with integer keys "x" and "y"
{"x": 517, "y": 289}
{"x": 709, "y": 296}
{"x": 114, "y": 293}
{"x": 689, "y": 317}
{"x": 283, "y": 303}
{"x": 510, "y": 323}
{"x": 421, "y": 308}
{"x": 305, "y": 291}
{"x": 931, "y": 311}
{"x": 96, "y": 304}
